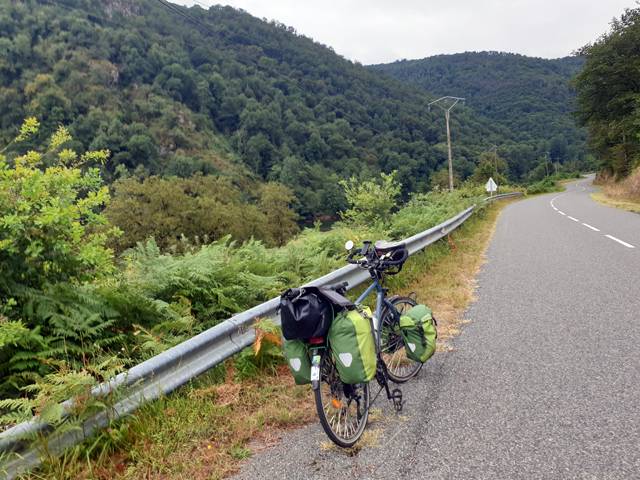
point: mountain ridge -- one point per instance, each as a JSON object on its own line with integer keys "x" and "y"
{"x": 529, "y": 95}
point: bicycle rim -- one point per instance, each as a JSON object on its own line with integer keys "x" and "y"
{"x": 343, "y": 409}
{"x": 392, "y": 348}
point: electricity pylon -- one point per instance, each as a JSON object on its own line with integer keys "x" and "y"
{"x": 442, "y": 103}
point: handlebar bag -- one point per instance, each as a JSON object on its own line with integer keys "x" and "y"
{"x": 305, "y": 313}
{"x": 352, "y": 346}
{"x": 297, "y": 354}
{"x": 418, "y": 330}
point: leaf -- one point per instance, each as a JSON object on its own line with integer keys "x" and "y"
{"x": 52, "y": 413}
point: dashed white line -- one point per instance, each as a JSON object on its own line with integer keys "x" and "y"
{"x": 591, "y": 227}
{"x": 628, "y": 245}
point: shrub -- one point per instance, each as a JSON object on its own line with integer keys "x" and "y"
{"x": 370, "y": 201}
{"x": 546, "y": 185}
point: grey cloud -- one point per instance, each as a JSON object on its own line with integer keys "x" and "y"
{"x": 376, "y": 31}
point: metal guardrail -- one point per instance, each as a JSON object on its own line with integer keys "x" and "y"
{"x": 502, "y": 196}
{"x": 176, "y": 366}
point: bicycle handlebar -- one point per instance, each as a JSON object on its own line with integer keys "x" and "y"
{"x": 371, "y": 260}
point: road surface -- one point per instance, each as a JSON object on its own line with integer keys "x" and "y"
{"x": 543, "y": 383}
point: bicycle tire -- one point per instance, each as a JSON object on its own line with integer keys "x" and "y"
{"x": 339, "y": 392}
{"x": 391, "y": 341}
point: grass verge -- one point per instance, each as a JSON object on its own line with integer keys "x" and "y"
{"x": 630, "y": 205}
{"x": 624, "y": 193}
{"x": 207, "y": 428}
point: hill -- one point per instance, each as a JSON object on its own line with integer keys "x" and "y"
{"x": 530, "y": 97}
{"x": 176, "y": 91}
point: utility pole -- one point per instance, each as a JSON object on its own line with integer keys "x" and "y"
{"x": 546, "y": 163}
{"x": 442, "y": 103}
{"x": 494, "y": 149}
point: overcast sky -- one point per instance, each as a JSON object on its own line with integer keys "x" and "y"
{"x": 376, "y": 31}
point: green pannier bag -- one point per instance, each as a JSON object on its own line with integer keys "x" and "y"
{"x": 418, "y": 330}
{"x": 352, "y": 346}
{"x": 297, "y": 355}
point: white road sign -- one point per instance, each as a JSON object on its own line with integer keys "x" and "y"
{"x": 491, "y": 186}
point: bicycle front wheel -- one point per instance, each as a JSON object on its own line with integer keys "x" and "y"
{"x": 400, "y": 368}
{"x": 343, "y": 409}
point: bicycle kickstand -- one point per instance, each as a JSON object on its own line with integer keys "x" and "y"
{"x": 394, "y": 395}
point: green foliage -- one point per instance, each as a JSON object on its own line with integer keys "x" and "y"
{"x": 491, "y": 165}
{"x": 48, "y": 392}
{"x": 529, "y": 100}
{"x": 230, "y": 94}
{"x": 52, "y": 239}
{"x": 546, "y": 185}
{"x": 428, "y": 209}
{"x": 608, "y": 96}
{"x": 440, "y": 180}
{"x": 44, "y": 397}
{"x": 265, "y": 353}
{"x": 199, "y": 209}
{"x": 370, "y": 201}
{"x": 51, "y": 228}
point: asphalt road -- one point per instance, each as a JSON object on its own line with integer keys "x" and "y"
{"x": 543, "y": 383}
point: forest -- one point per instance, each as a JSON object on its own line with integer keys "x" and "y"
{"x": 531, "y": 98}
{"x": 173, "y": 92}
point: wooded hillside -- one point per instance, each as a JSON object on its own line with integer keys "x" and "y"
{"x": 530, "y": 97}
{"x": 172, "y": 91}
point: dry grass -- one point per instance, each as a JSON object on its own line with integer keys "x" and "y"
{"x": 203, "y": 432}
{"x": 605, "y": 199}
{"x": 624, "y": 194}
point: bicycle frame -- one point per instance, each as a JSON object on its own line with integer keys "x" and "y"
{"x": 394, "y": 395}
{"x": 381, "y": 302}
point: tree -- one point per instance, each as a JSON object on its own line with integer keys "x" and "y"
{"x": 490, "y": 166}
{"x": 608, "y": 94}
{"x": 440, "y": 180}
{"x": 280, "y": 220}
{"x": 51, "y": 225}
{"x": 200, "y": 209}
{"x": 53, "y": 239}
{"x": 370, "y": 201}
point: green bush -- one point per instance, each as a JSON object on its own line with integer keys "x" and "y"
{"x": 546, "y": 185}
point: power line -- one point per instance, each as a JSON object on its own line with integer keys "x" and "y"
{"x": 186, "y": 16}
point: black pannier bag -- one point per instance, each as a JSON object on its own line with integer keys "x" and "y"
{"x": 307, "y": 312}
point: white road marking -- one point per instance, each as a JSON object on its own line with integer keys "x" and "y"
{"x": 621, "y": 242}
{"x": 628, "y": 245}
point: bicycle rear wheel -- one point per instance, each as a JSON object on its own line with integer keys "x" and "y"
{"x": 343, "y": 409}
{"x": 392, "y": 348}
